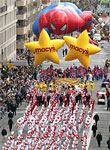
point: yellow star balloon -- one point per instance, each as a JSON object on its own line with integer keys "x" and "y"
{"x": 80, "y": 49}
{"x": 45, "y": 48}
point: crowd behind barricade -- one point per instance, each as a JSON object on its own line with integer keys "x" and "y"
{"x": 87, "y": 5}
{"x": 25, "y": 55}
{"x": 13, "y": 88}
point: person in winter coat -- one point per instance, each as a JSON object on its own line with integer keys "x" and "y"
{"x": 63, "y": 52}
{"x": 94, "y": 129}
{"x": 68, "y": 96}
{"x": 61, "y": 99}
{"x": 107, "y": 94}
{"x": 66, "y": 51}
{"x": 10, "y": 115}
{"x": 48, "y": 99}
{"x": 13, "y": 109}
{"x": 96, "y": 118}
{"x": 4, "y": 133}
{"x": 8, "y": 105}
{"x": 10, "y": 123}
{"x": 108, "y": 143}
{"x": 99, "y": 139}
{"x": 87, "y": 98}
{"x": 108, "y": 104}
{"x": 79, "y": 98}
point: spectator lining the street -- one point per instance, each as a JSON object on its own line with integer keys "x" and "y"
{"x": 4, "y": 133}
{"x": 99, "y": 139}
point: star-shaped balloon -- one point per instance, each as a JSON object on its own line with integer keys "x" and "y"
{"x": 45, "y": 48}
{"x": 80, "y": 49}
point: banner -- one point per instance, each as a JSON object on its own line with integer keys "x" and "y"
{"x": 67, "y": 81}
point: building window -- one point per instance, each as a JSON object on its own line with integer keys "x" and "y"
{"x": 21, "y": 38}
{"x": 3, "y": 9}
{"x": 34, "y": 4}
{"x": 22, "y": 23}
{"x": 21, "y": 10}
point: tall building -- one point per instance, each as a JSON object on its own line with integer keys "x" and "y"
{"x": 7, "y": 30}
{"x": 27, "y": 11}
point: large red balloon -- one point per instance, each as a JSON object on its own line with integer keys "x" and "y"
{"x": 62, "y": 18}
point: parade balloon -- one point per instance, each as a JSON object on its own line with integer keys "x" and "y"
{"x": 80, "y": 49}
{"x": 62, "y": 18}
{"x": 45, "y": 48}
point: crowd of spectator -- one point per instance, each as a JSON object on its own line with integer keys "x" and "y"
{"x": 88, "y": 4}
{"x": 14, "y": 88}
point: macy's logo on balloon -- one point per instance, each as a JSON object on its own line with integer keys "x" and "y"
{"x": 81, "y": 50}
{"x": 47, "y": 49}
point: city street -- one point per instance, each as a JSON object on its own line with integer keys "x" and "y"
{"x": 100, "y": 109}
{"x": 54, "y": 102}
{"x": 103, "y": 124}
{"x": 97, "y": 59}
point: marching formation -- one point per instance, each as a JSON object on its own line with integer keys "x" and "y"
{"x": 53, "y": 127}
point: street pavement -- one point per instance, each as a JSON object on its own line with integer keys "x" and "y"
{"x": 4, "y": 122}
{"x": 103, "y": 124}
{"x": 96, "y": 59}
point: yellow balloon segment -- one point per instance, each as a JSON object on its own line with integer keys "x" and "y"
{"x": 80, "y": 48}
{"x": 45, "y": 48}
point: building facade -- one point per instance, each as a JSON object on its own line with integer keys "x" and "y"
{"x": 27, "y": 11}
{"x": 7, "y": 30}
